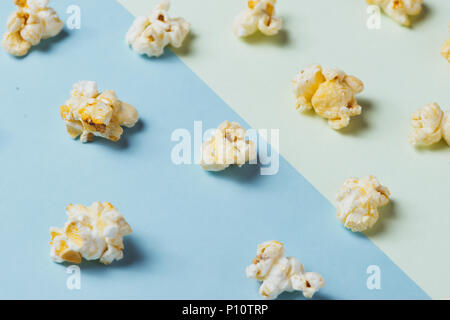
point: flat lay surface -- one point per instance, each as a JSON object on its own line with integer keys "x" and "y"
{"x": 195, "y": 232}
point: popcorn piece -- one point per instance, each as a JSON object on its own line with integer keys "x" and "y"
{"x": 259, "y": 14}
{"x": 226, "y": 147}
{"x": 358, "y": 202}
{"x": 426, "y": 125}
{"x": 88, "y": 113}
{"x": 330, "y": 92}
{"x": 94, "y": 232}
{"x": 32, "y": 22}
{"x": 399, "y": 10}
{"x": 429, "y": 125}
{"x": 151, "y": 34}
{"x": 279, "y": 273}
{"x": 445, "y": 51}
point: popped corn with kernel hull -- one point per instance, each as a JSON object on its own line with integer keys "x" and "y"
{"x": 226, "y": 147}
{"x": 358, "y": 202}
{"x": 279, "y": 273}
{"x": 88, "y": 113}
{"x": 94, "y": 232}
{"x": 330, "y": 92}
{"x": 259, "y": 15}
{"x": 429, "y": 125}
{"x": 152, "y": 33}
{"x": 399, "y": 10}
{"x": 32, "y": 22}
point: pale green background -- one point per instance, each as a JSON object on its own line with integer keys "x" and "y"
{"x": 402, "y": 71}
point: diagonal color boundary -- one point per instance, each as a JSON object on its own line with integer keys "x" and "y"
{"x": 220, "y": 81}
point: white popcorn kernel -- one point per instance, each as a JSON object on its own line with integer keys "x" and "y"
{"x": 330, "y": 92}
{"x": 279, "y": 273}
{"x": 226, "y": 147}
{"x": 151, "y": 34}
{"x": 259, "y": 15}
{"x": 94, "y": 232}
{"x": 32, "y": 22}
{"x": 429, "y": 125}
{"x": 358, "y": 202}
{"x": 88, "y": 113}
{"x": 399, "y": 10}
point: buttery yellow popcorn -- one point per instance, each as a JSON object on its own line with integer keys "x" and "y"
{"x": 226, "y": 147}
{"x": 32, "y": 22}
{"x": 358, "y": 202}
{"x": 330, "y": 92}
{"x": 94, "y": 232}
{"x": 259, "y": 15}
{"x": 445, "y": 51}
{"x": 429, "y": 125}
{"x": 151, "y": 34}
{"x": 399, "y": 10}
{"x": 88, "y": 113}
{"x": 279, "y": 273}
